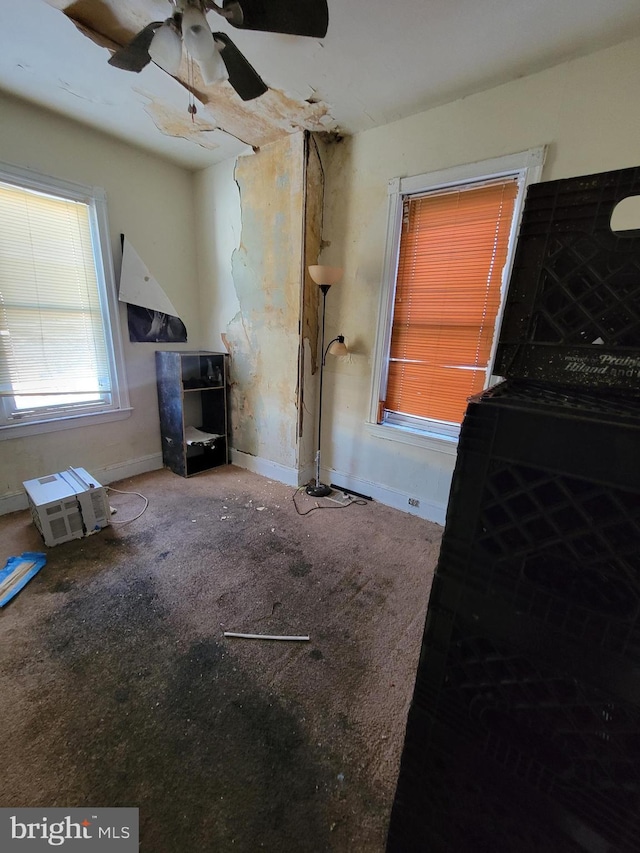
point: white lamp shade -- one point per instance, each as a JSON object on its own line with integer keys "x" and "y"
{"x": 338, "y": 348}
{"x": 213, "y": 69}
{"x": 325, "y": 275}
{"x": 197, "y": 35}
{"x": 166, "y": 49}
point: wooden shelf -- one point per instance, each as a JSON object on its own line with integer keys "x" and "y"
{"x": 201, "y": 406}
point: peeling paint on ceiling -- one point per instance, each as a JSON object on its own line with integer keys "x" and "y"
{"x": 196, "y": 128}
{"x": 262, "y": 121}
{"x": 379, "y": 62}
{"x": 112, "y": 24}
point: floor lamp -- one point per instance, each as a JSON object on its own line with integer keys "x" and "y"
{"x": 324, "y": 277}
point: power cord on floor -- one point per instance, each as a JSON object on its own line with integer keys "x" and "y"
{"x": 314, "y": 508}
{"x": 120, "y": 492}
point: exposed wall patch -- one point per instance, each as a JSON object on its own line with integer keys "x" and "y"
{"x": 266, "y": 269}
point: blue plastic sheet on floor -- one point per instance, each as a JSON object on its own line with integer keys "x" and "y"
{"x": 24, "y": 567}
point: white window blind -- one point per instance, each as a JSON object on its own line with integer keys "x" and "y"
{"x": 56, "y": 347}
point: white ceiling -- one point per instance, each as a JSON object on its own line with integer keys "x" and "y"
{"x": 380, "y": 61}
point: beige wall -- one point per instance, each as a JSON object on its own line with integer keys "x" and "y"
{"x": 149, "y": 200}
{"x": 585, "y": 111}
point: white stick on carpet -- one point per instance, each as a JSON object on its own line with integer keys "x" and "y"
{"x": 260, "y": 636}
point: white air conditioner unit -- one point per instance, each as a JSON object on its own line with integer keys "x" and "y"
{"x": 68, "y": 505}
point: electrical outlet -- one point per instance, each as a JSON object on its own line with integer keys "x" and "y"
{"x": 414, "y": 502}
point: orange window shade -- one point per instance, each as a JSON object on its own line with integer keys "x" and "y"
{"x": 453, "y": 248}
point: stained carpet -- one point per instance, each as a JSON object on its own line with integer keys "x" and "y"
{"x": 119, "y": 688}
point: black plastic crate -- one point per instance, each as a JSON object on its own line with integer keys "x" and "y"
{"x": 544, "y": 513}
{"x": 451, "y": 600}
{"x": 508, "y": 712}
{"x": 572, "y": 315}
{"x": 452, "y": 799}
{"x": 613, "y": 406}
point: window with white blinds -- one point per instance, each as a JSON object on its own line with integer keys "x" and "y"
{"x": 450, "y": 242}
{"x": 57, "y": 323}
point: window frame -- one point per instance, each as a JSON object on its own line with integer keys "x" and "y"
{"x": 526, "y": 167}
{"x": 96, "y": 201}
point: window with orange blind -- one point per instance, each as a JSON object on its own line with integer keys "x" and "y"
{"x": 453, "y": 248}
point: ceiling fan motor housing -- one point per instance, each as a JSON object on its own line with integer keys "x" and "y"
{"x": 302, "y": 18}
{"x": 215, "y": 53}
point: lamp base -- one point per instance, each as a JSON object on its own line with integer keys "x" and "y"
{"x": 318, "y": 491}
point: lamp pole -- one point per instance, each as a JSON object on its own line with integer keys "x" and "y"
{"x": 319, "y": 490}
{"x": 324, "y": 277}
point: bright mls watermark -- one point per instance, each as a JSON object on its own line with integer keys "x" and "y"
{"x": 82, "y": 830}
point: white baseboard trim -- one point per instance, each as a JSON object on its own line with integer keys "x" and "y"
{"x": 132, "y": 468}
{"x": 13, "y": 502}
{"x": 266, "y": 468}
{"x": 389, "y": 497}
{"x": 18, "y": 500}
{"x": 383, "y": 494}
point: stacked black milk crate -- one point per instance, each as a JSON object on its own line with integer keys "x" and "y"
{"x": 523, "y": 734}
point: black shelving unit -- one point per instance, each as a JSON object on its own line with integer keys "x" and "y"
{"x": 192, "y": 392}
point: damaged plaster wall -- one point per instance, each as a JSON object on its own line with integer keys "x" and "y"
{"x": 251, "y": 218}
{"x": 263, "y": 336}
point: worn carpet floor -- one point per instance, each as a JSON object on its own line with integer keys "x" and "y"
{"x": 118, "y": 687}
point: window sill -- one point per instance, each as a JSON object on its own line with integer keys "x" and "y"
{"x": 404, "y": 435}
{"x": 22, "y": 430}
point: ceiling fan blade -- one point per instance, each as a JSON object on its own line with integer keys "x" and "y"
{"x": 295, "y": 17}
{"x": 242, "y": 75}
{"x": 135, "y": 55}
